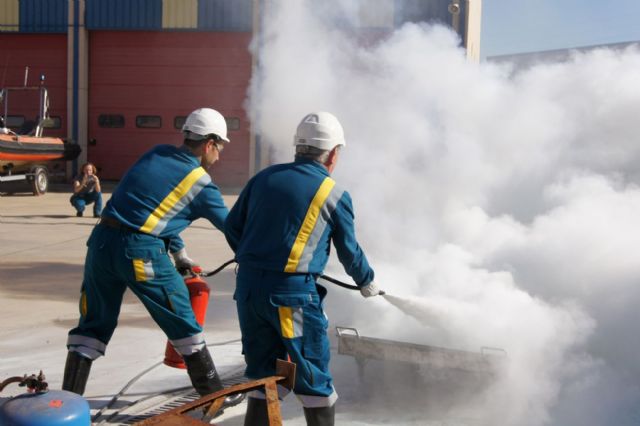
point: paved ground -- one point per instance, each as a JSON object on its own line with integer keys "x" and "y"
{"x": 42, "y": 249}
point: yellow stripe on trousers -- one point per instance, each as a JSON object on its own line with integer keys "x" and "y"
{"x": 138, "y": 269}
{"x": 83, "y": 304}
{"x": 286, "y": 321}
{"x": 308, "y": 224}
{"x": 170, "y": 200}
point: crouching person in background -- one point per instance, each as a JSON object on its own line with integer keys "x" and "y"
{"x": 87, "y": 190}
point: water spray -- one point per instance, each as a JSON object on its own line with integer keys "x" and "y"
{"x": 426, "y": 312}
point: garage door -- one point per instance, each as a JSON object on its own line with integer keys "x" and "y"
{"x": 143, "y": 84}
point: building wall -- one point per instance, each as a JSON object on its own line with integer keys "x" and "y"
{"x": 163, "y": 76}
{"x": 180, "y": 14}
{"x": 9, "y": 15}
{"x": 164, "y": 58}
{"x": 44, "y": 16}
{"x": 154, "y": 58}
{"x": 473, "y": 29}
{"x": 124, "y": 14}
{"x": 204, "y": 15}
{"x": 523, "y": 61}
{"x": 49, "y": 16}
{"x": 42, "y": 54}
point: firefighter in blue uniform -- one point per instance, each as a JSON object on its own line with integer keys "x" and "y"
{"x": 160, "y": 195}
{"x": 281, "y": 229}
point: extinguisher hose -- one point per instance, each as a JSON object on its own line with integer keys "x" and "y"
{"x": 219, "y": 268}
{"x": 339, "y": 283}
{"x": 324, "y": 277}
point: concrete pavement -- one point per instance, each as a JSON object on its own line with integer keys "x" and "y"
{"x": 42, "y": 249}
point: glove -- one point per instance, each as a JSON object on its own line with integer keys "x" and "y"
{"x": 184, "y": 262}
{"x": 370, "y": 290}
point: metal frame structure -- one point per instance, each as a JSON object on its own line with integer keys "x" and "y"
{"x": 211, "y": 404}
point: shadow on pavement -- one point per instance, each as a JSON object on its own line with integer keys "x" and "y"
{"x": 28, "y": 279}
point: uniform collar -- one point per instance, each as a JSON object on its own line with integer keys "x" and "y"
{"x": 189, "y": 154}
{"x": 316, "y": 164}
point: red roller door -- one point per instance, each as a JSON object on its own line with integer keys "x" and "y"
{"x": 150, "y": 75}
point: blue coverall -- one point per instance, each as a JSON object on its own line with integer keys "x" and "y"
{"x": 281, "y": 229}
{"x": 158, "y": 197}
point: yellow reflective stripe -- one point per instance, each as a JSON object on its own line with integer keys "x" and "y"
{"x": 138, "y": 269}
{"x": 83, "y": 304}
{"x": 286, "y": 321}
{"x": 170, "y": 200}
{"x": 308, "y": 223}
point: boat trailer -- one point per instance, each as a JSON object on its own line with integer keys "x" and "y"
{"x": 25, "y": 153}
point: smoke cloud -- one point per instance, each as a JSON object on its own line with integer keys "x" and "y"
{"x": 498, "y": 208}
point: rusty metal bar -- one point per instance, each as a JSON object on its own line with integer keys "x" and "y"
{"x": 213, "y": 408}
{"x": 285, "y": 376}
{"x": 273, "y": 404}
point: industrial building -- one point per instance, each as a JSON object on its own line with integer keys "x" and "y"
{"x": 123, "y": 74}
{"x": 522, "y": 61}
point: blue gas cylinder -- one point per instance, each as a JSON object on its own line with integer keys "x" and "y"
{"x": 50, "y": 408}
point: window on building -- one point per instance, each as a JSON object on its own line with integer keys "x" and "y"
{"x": 178, "y": 121}
{"x": 14, "y": 121}
{"x": 233, "y": 123}
{"x": 113, "y": 121}
{"x": 149, "y": 121}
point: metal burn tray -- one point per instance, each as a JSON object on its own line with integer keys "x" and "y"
{"x": 487, "y": 360}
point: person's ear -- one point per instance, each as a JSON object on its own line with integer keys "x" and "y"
{"x": 332, "y": 159}
{"x": 333, "y": 154}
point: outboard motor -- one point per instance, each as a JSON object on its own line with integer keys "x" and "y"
{"x": 41, "y": 406}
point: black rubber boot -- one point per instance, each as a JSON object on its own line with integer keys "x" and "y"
{"x": 202, "y": 372}
{"x": 257, "y": 414}
{"x": 76, "y": 372}
{"x": 320, "y": 416}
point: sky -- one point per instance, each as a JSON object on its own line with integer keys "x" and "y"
{"x": 503, "y": 208}
{"x": 517, "y": 26}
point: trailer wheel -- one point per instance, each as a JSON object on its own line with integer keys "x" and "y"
{"x": 40, "y": 181}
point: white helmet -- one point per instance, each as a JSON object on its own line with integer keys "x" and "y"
{"x": 321, "y": 130}
{"x": 205, "y": 121}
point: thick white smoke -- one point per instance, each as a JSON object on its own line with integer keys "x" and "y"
{"x": 503, "y": 207}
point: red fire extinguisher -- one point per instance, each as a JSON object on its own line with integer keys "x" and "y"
{"x": 199, "y": 295}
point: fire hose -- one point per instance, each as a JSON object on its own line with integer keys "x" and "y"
{"x": 324, "y": 277}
